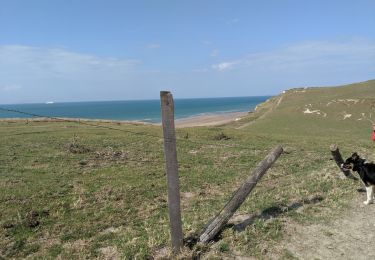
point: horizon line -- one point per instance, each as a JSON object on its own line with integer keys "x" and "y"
{"x": 125, "y": 100}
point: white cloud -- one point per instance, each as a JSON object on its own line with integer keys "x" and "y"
{"x": 308, "y": 55}
{"x": 224, "y": 65}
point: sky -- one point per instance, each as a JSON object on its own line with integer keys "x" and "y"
{"x": 86, "y": 50}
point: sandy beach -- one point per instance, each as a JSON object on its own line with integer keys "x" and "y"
{"x": 210, "y": 120}
{"x": 203, "y": 120}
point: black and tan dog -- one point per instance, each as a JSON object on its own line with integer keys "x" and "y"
{"x": 366, "y": 172}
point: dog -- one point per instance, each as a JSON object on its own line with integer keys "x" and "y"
{"x": 366, "y": 171}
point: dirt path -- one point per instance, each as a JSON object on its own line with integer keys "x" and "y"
{"x": 350, "y": 237}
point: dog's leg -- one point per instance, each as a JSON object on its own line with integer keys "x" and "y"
{"x": 370, "y": 195}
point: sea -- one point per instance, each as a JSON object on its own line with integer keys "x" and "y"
{"x": 133, "y": 110}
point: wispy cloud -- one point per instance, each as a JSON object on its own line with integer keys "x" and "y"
{"x": 59, "y": 72}
{"x": 214, "y": 53}
{"x": 306, "y": 56}
{"x": 153, "y": 46}
{"x": 37, "y": 74}
{"x": 10, "y": 88}
{"x": 232, "y": 21}
{"x": 47, "y": 62}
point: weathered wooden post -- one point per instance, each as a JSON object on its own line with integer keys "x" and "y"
{"x": 239, "y": 196}
{"x": 170, "y": 152}
{"x": 339, "y": 161}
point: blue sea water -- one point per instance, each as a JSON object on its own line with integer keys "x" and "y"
{"x": 140, "y": 110}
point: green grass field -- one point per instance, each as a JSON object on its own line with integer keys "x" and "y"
{"x": 75, "y": 191}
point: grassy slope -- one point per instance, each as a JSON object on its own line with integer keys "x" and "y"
{"x": 284, "y": 114}
{"x": 60, "y": 199}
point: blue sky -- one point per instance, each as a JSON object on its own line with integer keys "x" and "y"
{"x": 77, "y": 50}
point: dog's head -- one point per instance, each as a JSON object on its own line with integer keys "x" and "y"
{"x": 352, "y": 162}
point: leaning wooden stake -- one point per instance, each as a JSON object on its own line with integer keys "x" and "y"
{"x": 339, "y": 161}
{"x": 239, "y": 196}
{"x": 167, "y": 111}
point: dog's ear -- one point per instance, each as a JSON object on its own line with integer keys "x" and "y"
{"x": 355, "y": 156}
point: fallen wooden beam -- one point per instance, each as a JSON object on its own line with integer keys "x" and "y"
{"x": 239, "y": 196}
{"x": 339, "y": 161}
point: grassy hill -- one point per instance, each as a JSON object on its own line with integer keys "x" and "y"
{"x": 73, "y": 191}
{"x": 327, "y": 112}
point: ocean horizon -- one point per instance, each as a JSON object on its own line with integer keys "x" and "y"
{"x": 134, "y": 110}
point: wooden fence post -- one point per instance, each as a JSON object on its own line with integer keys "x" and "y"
{"x": 339, "y": 161}
{"x": 239, "y": 196}
{"x": 167, "y": 111}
